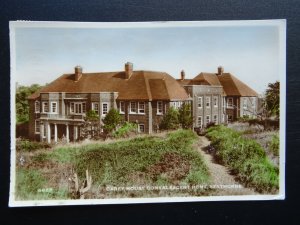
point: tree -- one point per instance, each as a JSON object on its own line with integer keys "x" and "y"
{"x": 22, "y": 106}
{"x": 185, "y": 116}
{"x": 91, "y": 125}
{"x": 272, "y": 98}
{"x": 111, "y": 121}
{"x": 170, "y": 120}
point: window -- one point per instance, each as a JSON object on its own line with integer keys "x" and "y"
{"x": 207, "y": 102}
{"x": 37, "y": 127}
{"x": 45, "y": 107}
{"x": 215, "y": 101}
{"x": 229, "y": 118}
{"x": 199, "y": 102}
{"x": 83, "y": 107}
{"x": 104, "y": 108}
{"x": 230, "y": 102}
{"x": 245, "y": 103}
{"x": 141, "y": 128}
{"x": 254, "y": 103}
{"x": 207, "y": 119}
{"x": 132, "y": 107}
{"x": 141, "y": 108}
{"x": 95, "y": 107}
{"x": 77, "y": 107}
{"x": 53, "y": 107}
{"x": 199, "y": 122}
{"x": 159, "y": 107}
{"x": 37, "y": 107}
{"x": 215, "y": 118}
{"x": 122, "y": 107}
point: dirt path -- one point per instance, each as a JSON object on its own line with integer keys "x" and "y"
{"x": 220, "y": 174}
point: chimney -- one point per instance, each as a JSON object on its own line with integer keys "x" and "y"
{"x": 220, "y": 70}
{"x": 78, "y": 73}
{"x": 182, "y": 75}
{"x": 128, "y": 70}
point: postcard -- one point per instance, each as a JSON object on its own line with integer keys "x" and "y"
{"x": 147, "y": 112}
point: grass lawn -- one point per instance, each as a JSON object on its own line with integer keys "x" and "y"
{"x": 141, "y": 162}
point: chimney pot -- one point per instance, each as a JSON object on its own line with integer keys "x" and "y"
{"x": 220, "y": 70}
{"x": 128, "y": 70}
{"x": 182, "y": 75}
{"x": 78, "y": 73}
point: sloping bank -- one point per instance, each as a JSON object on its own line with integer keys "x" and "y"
{"x": 143, "y": 161}
{"x": 246, "y": 158}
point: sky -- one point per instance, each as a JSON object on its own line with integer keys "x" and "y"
{"x": 251, "y": 53}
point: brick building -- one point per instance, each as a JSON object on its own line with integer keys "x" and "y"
{"x": 141, "y": 97}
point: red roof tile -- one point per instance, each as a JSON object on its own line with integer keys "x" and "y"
{"x": 142, "y": 85}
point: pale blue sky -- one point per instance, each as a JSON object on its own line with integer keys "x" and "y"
{"x": 250, "y": 53}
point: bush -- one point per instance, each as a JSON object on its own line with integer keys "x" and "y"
{"x": 274, "y": 145}
{"x": 111, "y": 120}
{"x": 245, "y": 157}
{"x": 115, "y": 163}
{"x": 170, "y": 120}
{"x": 26, "y": 145}
{"x": 125, "y": 130}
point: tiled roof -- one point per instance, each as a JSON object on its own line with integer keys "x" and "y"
{"x": 234, "y": 87}
{"x": 231, "y": 85}
{"x": 142, "y": 85}
{"x": 207, "y": 79}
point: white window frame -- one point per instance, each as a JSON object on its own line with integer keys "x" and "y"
{"x": 228, "y": 105}
{"x": 130, "y": 108}
{"x": 207, "y": 103}
{"x": 56, "y": 107}
{"x": 141, "y": 125}
{"x": 199, "y": 121}
{"x": 139, "y": 109}
{"x": 122, "y": 103}
{"x": 94, "y": 104}
{"x": 200, "y": 102}
{"x": 37, "y": 126}
{"x": 215, "y": 101}
{"x": 102, "y": 111}
{"x": 159, "y": 110}
{"x": 76, "y": 104}
{"x": 43, "y": 104}
{"x": 215, "y": 119}
{"x": 37, "y": 106}
{"x": 207, "y": 119}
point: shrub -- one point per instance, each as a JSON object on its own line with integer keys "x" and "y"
{"x": 125, "y": 130}
{"x": 26, "y": 145}
{"x": 245, "y": 157}
{"x": 170, "y": 120}
{"x": 114, "y": 163}
{"x": 111, "y": 120}
{"x": 185, "y": 116}
{"x": 274, "y": 145}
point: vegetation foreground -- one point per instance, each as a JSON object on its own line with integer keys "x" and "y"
{"x": 246, "y": 158}
{"x": 151, "y": 162}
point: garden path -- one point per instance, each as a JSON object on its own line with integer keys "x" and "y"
{"x": 220, "y": 175}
